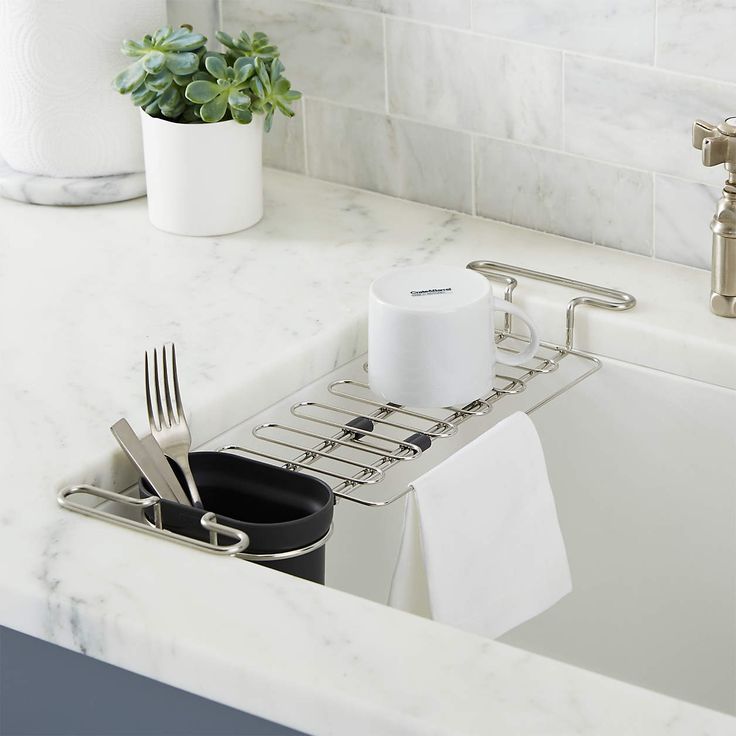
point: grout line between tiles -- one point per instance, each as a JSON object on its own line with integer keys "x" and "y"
{"x": 473, "y": 181}
{"x": 218, "y": 16}
{"x": 304, "y": 137}
{"x": 385, "y": 63}
{"x": 654, "y": 216}
{"x": 563, "y": 116}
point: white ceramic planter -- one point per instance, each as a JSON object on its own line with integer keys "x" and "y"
{"x": 203, "y": 179}
{"x": 60, "y": 116}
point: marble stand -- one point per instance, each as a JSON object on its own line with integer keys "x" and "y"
{"x": 51, "y": 190}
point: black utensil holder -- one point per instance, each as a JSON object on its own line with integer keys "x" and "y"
{"x": 279, "y": 509}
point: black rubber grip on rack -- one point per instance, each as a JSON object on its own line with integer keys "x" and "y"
{"x": 423, "y": 441}
{"x": 360, "y": 423}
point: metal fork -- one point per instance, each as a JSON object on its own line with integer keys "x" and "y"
{"x": 166, "y": 417}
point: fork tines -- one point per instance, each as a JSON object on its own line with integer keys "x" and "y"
{"x": 162, "y": 411}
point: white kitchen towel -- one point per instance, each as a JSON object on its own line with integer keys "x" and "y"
{"x": 481, "y": 547}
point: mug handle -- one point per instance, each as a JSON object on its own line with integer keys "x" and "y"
{"x": 518, "y": 358}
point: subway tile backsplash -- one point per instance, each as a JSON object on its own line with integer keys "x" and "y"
{"x": 621, "y": 29}
{"x": 466, "y": 81}
{"x": 696, "y": 37}
{"x": 283, "y": 146}
{"x": 563, "y": 194}
{"x": 571, "y": 117}
{"x": 330, "y": 52}
{"x": 445, "y": 12}
{"x": 399, "y": 157}
{"x": 639, "y": 117}
{"x": 684, "y": 210}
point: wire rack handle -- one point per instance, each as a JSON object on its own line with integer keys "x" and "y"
{"x": 611, "y": 298}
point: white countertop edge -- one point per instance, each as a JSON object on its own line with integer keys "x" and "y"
{"x": 360, "y": 668}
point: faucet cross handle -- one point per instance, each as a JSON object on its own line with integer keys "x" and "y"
{"x": 718, "y": 142}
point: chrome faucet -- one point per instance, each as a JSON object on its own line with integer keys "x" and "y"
{"x": 718, "y": 144}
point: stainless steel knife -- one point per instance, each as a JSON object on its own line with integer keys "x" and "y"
{"x": 147, "y": 467}
{"x": 162, "y": 465}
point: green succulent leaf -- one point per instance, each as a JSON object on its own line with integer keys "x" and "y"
{"x": 161, "y": 35}
{"x": 238, "y": 100}
{"x": 268, "y": 122}
{"x": 214, "y": 110}
{"x": 161, "y": 81}
{"x": 201, "y": 92}
{"x": 190, "y": 114}
{"x": 152, "y": 109}
{"x": 133, "y": 48}
{"x": 256, "y": 86}
{"x": 185, "y": 62}
{"x": 130, "y": 78}
{"x": 154, "y": 61}
{"x": 171, "y": 102}
{"x": 216, "y": 67}
{"x": 143, "y": 96}
{"x": 185, "y": 40}
{"x": 281, "y": 87}
{"x": 262, "y": 72}
{"x": 277, "y": 67}
{"x": 244, "y": 69}
{"x": 224, "y": 38}
{"x": 283, "y": 107}
{"x": 242, "y": 116}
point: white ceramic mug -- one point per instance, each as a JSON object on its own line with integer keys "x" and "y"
{"x": 430, "y": 336}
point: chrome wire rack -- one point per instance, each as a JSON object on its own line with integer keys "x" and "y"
{"x": 351, "y": 439}
{"x": 370, "y": 436}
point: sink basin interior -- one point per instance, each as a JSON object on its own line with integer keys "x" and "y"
{"x": 647, "y": 509}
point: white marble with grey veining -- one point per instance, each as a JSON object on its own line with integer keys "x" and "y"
{"x": 684, "y": 210}
{"x": 470, "y": 82}
{"x": 202, "y": 15}
{"x": 696, "y": 37}
{"x": 52, "y": 190}
{"x": 454, "y": 13}
{"x": 328, "y": 51}
{"x": 623, "y": 29}
{"x": 397, "y": 157}
{"x": 640, "y": 117}
{"x": 255, "y": 315}
{"x": 283, "y": 145}
{"x": 563, "y": 194}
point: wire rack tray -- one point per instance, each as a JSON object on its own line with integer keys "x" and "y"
{"x": 353, "y": 439}
{"x": 372, "y": 436}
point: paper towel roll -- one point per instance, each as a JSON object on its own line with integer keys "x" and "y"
{"x": 60, "y": 115}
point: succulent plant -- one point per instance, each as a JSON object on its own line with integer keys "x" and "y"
{"x": 271, "y": 91}
{"x": 228, "y": 91}
{"x": 175, "y": 77}
{"x": 258, "y": 47}
{"x": 164, "y": 63}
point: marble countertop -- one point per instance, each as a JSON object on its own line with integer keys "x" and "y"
{"x": 256, "y": 315}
